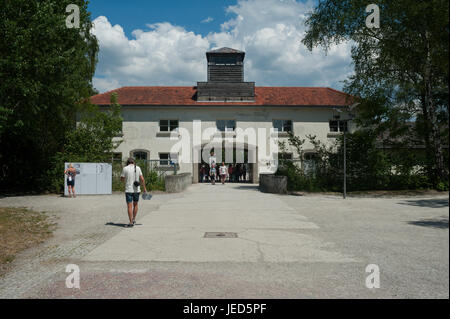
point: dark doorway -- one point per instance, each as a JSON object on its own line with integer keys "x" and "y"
{"x": 238, "y": 168}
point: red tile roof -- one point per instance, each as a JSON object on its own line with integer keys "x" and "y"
{"x": 185, "y": 95}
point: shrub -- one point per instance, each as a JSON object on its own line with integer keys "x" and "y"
{"x": 368, "y": 167}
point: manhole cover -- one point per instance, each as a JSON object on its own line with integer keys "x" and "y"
{"x": 220, "y": 235}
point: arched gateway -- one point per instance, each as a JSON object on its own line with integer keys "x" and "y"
{"x": 240, "y": 153}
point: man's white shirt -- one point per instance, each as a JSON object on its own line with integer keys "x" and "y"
{"x": 130, "y": 177}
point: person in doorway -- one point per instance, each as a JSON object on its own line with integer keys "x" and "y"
{"x": 71, "y": 172}
{"x": 230, "y": 173}
{"x": 223, "y": 172}
{"x": 236, "y": 173}
{"x": 212, "y": 173}
{"x": 244, "y": 172}
{"x": 212, "y": 158}
{"x": 202, "y": 173}
{"x": 240, "y": 172}
{"x": 132, "y": 176}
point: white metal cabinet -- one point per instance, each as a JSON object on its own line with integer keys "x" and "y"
{"x": 91, "y": 179}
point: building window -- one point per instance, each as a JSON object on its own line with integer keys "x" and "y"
{"x": 226, "y": 125}
{"x": 338, "y": 126}
{"x": 140, "y": 155}
{"x": 168, "y": 125}
{"x": 285, "y": 156}
{"x": 283, "y": 125}
{"x": 309, "y": 162}
{"x": 164, "y": 159}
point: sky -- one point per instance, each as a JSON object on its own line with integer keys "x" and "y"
{"x": 163, "y": 43}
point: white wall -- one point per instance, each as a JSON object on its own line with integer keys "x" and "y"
{"x": 141, "y": 124}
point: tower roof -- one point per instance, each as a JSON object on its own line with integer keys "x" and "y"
{"x": 226, "y": 50}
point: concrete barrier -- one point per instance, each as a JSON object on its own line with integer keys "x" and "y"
{"x": 177, "y": 183}
{"x": 269, "y": 183}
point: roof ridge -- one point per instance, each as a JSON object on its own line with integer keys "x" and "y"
{"x": 110, "y": 91}
{"x": 337, "y": 91}
{"x": 192, "y": 86}
{"x": 293, "y": 87}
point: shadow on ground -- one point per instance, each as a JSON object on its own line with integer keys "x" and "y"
{"x": 432, "y": 223}
{"x": 116, "y": 224}
{"x": 431, "y": 203}
{"x": 120, "y": 224}
{"x": 248, "y": 187}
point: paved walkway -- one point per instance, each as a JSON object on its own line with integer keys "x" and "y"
{"x": 313, "y": 246}
{"x": 268, "y": 230}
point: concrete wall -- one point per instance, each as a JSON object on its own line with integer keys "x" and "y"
{"x": 141, "y": 126}
{"x": 269, "y": 183}
{"x": 177, "y": 183}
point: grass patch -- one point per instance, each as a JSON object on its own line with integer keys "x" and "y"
{"x": 21, "y": 228}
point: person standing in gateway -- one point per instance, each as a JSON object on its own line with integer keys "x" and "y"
{"x": 132, "y": 176}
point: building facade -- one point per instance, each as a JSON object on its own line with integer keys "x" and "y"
{"x": 182, "y": 124}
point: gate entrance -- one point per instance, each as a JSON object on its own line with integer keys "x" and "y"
{"x": 241, "y": 163}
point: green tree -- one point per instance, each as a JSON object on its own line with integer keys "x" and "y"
{"x": 46, "y": 69}
{"x": 97, "y": 134}
{"x": 401, "y": 68}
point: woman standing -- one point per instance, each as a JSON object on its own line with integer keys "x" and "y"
{"x": 71, "y": 172}
{"x": 223, "y": 172}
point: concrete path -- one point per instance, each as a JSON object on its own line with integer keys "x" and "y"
{"x": 268, "y": 230}
{"x": 314, "y": 246}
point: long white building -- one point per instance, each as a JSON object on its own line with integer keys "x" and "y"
{"x": 158, "y": 120}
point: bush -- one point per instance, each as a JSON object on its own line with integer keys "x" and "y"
{"x": 442, "y": 186}
{"x": 152, "y": 180}
{"x": 368, "y": 167}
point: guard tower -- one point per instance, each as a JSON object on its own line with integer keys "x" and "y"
{"x": 225, "y": 78}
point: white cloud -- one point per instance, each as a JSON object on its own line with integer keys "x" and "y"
{"x": 207, "y": 20}
{"x": 269, "y": 31}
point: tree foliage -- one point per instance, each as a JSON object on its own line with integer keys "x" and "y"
{"x": 46, "y": 69}
{"x": 401, "y": 69}
{"x": 97, "y": 134}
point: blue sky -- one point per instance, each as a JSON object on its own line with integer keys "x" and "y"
{"x": 164, "y": 42}
{"x": 135, "y": 14}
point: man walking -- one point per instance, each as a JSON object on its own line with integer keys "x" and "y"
{"x": 132, "y": 176}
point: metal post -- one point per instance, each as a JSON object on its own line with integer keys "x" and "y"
{"x": 345, "y": 165}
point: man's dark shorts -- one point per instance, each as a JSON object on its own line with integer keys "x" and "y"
{"x": 132, "y": 197}
{"x": 71, "y": 183}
